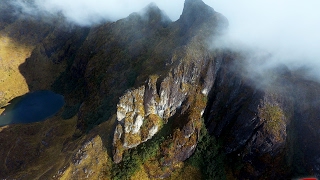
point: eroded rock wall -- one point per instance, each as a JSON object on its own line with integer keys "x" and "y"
{"x": 142, "y": 112}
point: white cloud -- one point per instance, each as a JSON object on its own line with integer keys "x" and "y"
{"x": 87, "y": 12}
{"x": 289, "y": 29}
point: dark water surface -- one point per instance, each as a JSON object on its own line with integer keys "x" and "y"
{"x": 32, "y": 107}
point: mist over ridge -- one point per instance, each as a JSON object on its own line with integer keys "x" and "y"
{"x": 219, "y": 90}
{"x": 87, "y": 13}
{"x": 286, "y": 29}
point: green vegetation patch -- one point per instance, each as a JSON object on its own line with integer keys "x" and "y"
{"x": 134, "y": 158}
{"x": 274, "y": 118}
{"x": 151, "y": 121}
{"x": 208, "y": 157}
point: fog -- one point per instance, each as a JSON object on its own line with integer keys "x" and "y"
{"x": 287, "y": 29}
{"x": 88, "y": 12}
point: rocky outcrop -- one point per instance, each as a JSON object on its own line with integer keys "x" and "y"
{"x": 142, "y": 112}
{"x": 250, "y": 119}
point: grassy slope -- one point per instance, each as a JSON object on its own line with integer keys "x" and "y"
{"x": 12, "y": 55}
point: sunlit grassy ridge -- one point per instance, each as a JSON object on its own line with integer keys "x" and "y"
{"x": 38, "y": 144}
{"x": 12, "y": 55}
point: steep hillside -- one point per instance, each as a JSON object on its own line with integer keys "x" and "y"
{"x": 150, "y": 98}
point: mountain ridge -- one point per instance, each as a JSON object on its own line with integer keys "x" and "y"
{"x": 151, "y": 96}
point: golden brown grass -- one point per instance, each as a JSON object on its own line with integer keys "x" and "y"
{"x": 274, "y": 119}
{"x": 58, "y": 155}
{"x": 186, "y": 172}
{"x": 38, "y": 145}
{"x": 12, "y": 55}
{"x": 141, "y": 174}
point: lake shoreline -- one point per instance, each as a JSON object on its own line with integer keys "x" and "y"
{"x": 31, "y": 107}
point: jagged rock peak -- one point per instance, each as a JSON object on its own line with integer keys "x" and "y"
{"x": 193, "y": 1}
{"x": 194, "y": 9}
{"x": 151, "y": 14}
{"x": 152, "y": 8}
{"x": 196, "y": 13}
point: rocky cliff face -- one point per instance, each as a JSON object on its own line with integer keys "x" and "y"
{"x": 149, "y": 98}
{"x": 142, "y": 112}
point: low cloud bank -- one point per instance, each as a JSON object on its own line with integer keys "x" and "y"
{"x": 288, "y": 29}
{"x": 88, "y": 12}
